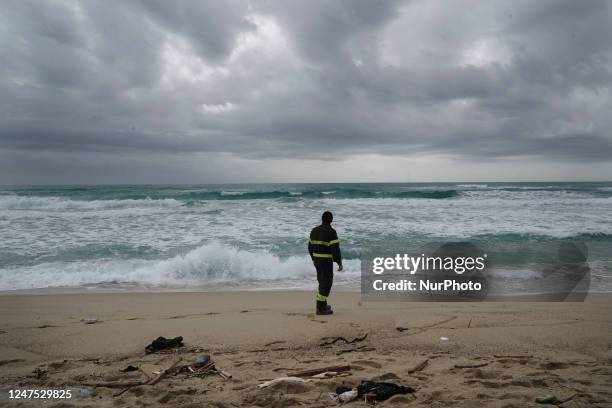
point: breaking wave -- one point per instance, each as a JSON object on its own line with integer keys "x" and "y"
{"x": 211, "y": 264}
{"x": 14, "y": 202}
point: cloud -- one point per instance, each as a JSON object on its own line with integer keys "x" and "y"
{"x": 282, "y": 80}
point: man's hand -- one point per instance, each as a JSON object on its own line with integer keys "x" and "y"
{"x": 340, "y": 268}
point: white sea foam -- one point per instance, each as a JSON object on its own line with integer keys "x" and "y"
{"x": 14, "y": 202}
{"x": 472, "y": 185}
{"x": 209, "y": 264}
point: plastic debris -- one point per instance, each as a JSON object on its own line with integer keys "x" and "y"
{"x": 346, "y": 396}
{"x": 202, "y": 360}
{"x": 443, "y": 338}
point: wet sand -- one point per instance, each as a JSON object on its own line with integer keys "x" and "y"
{"x": 522, "y": 350}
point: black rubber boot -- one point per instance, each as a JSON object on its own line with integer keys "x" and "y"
{"x": 323, "y": 308}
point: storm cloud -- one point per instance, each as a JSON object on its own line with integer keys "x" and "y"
{"x": 213, "y": 90}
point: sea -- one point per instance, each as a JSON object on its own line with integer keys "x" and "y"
{"x": 254, "y": 236}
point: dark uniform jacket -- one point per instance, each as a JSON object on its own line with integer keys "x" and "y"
{"x": 324, "y": 245}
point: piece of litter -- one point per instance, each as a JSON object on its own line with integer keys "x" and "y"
{"x": 156, "y": 372}
{"x": 346, "y": 396}
{"x": 202, "y": 360}
{"x": 162, "y": 343}
{"x": 443, "y": 338}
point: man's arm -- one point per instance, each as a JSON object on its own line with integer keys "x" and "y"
{"x": 310, "y": 247}
{"x": 335, "y": 249}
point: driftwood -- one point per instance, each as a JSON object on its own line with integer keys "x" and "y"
{"x": 471, "y": 365}
{"x": 167, "y": 371}
{"x": 126, "y": 385}
{"x": 419, "y": 366}
{"x": 336, "y": 339}
{"x": 331, "y": 374}
{"x": 315, "y": 371}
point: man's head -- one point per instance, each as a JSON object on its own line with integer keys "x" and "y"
{"x": 327, "y": 217}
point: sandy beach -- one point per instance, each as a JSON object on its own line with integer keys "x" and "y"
{"x": 520, "y": 350}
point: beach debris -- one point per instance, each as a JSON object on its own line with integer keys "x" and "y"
{"x": 443, "y": 338}
{"x": 167, "y": 371}
{"x": 134, "y": 383}
{"x": 380, "y": 391}
{"x": 91, "y": 320}
{"x": 401, "y": 328}
{"x": 128, "y": 369}
{"x": 370, "y": 391}
{"x": 204, "y": 366}
{"x": 419, "y": 366}
{"x": 331, "y": 374}
{"x": 477, "y": 365}
{"x": 162, "y": 343}
{"x": 315, "y": 371}
{"x": 340, "y": 338}
{"x": 346, "y": 396}
{"x": 202, "y": 360}
{"x": 223, "y": 374}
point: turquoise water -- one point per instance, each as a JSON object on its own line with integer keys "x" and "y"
{"x": 210, "y": 237}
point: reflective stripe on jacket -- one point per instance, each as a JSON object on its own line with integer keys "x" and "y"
{"x": 324, "y": 244}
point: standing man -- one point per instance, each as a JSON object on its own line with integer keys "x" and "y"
{"x": 324, "y": 249}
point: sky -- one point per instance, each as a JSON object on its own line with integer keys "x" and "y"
{"x": 304, "y": 91}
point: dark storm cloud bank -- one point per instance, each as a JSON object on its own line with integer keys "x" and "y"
{"x": 298, "y": 79}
